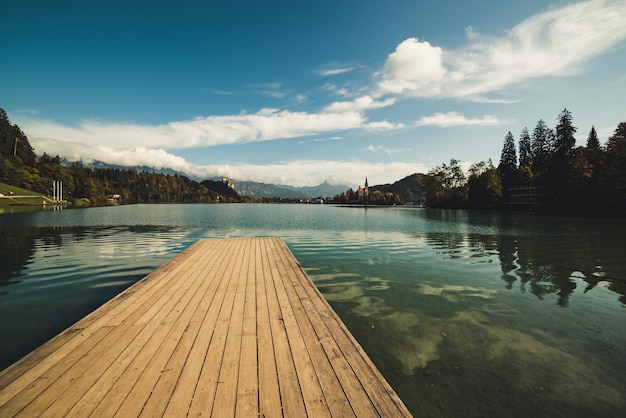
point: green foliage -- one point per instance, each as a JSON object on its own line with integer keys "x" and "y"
{"x": 565, "y": 141}
{"x": 525, "y": 152}
{"x": 614, "y": 175}
{"x": 446, "y": 186}
{"x": 20, "y": 167}
{"x": 508, "y": 162}
{"x": 592, "y": 140}
{"x": 484, "y": 186}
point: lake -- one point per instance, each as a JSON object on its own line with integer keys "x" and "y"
{"x": 466, "y": 313}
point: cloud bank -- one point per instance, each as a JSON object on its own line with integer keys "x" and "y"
{"x": 295, "y": 173}
{"x": 265, "y": 125}
{"x": 447, "y": 120}
{"x": 554, "y": 43}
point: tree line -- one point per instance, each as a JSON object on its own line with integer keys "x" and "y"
{"x": 20, "y": 166}
{"x": 589, "y": 179}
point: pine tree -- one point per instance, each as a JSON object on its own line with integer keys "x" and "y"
{"x": 525, "y": 153}
{"x": 540, "y": 139}
{"x": 508, "y": 162}
{"x": 541, "y": 147}
{"x": 592, "y": 140}
{"x": 565, "y": 141}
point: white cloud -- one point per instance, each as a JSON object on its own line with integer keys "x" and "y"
{"x": 446, "y": 120}
{"x": 313, "y": 172}
{"x": 335, "y": 69}
{"x": 414, "y": 67}
{"x": 379, "y": 149}
{"x": 359, "y": 104}
{"x": 265, "y": 125}
{"x": 556, "y": 42}
{"x": 373, "y": 148}
{"x": 295, "y": 173}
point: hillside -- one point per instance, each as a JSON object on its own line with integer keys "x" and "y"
{"x": 409, "y": 189}
{"x": 21, "y": 167}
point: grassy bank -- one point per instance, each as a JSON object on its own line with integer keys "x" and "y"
{"x": 20, "y": 196}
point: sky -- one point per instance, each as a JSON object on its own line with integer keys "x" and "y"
{"x": 302, "y": 92}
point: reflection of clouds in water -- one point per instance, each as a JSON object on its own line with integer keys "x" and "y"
{"x": 455, "y": 293}
{"x": 532, "y": 361}
{"x": 418, "y": 338}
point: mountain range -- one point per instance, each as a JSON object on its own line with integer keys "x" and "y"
{"x": 244, "y": 188}
{"x": 256, "y": 189}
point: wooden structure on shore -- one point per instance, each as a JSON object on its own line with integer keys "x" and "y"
{"x": 230, "y": 327}
{"x": 528, "y": 198}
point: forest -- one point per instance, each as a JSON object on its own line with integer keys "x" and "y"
{"x": 20, "y": 166}
{"x": 546, "y": 168}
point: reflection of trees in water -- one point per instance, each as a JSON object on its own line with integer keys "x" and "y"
{"x": 18, "y": 246}
{"x": 16, "y": 249}
{"x": 545, "y": 256}
{"x": 546, "y": 264}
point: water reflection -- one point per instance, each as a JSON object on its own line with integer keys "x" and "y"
{"x": 446, "y": 317}
{"x": 552, "y": 265}
{"x": 50, "y": 277}
{"x": 540, "y": 255}
{"x": 460, "y": 310}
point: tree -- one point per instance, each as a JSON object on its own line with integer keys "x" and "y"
{"x": 525, "y": 153}
{"x": 614, "y": 181}
{"x": 507, "y": 169}
{"x": 484, "y": 187}
{"x": 565, "y": 141}
{"x": 525, "y": 174}
{"x": 446, "y": 186}
{"x": 592, "y": 140}
{"x": 560, "y": 162}
{"x": 541, "y": 147}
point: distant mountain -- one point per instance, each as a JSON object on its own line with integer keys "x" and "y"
{"x": 324, "y": 189}
{"x": 256, "y": 189}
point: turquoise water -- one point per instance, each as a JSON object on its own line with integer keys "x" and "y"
{"x": 465, "y": 313}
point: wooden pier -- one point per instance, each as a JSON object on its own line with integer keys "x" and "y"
{"x": 230, "y": 327}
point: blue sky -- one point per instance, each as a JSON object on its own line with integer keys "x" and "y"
{"x": 304, "y": 92}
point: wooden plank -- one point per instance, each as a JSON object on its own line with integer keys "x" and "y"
{"x": 348, "y": 380}
{"x": 329, "y": 383}
{"x": 17, "y": 376}
{"x": 269, "y": 391}
{"x": 171, "y": 374}
{"x": 204, "y": 396}
{"x": 188, "y": 381}
{"x": 312, "y": 393}
{"x": 151, "y": 338}
{"x": 226, "y": 389}
{"x": 289, "y": 386}
{"x": 382, "y": 395}
{"x": 93, "y": 384}
{"x": 197, "y": 283}
{"x": 230, "y": 327}
{"x": 247, "y": 386}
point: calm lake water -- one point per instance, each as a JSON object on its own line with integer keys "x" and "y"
{"x": 465, "y": 313}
